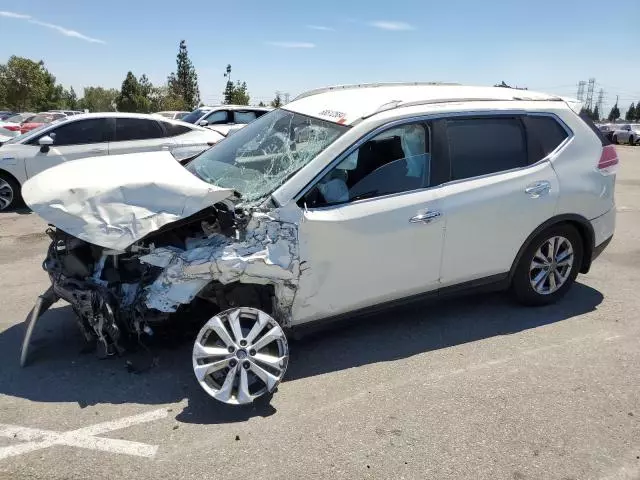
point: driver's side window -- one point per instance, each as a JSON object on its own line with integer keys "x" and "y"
{"x": 395, "y": 161}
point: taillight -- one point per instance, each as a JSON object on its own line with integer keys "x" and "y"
{"x": 608, "y": 163}
{"x": 13, "y": 128}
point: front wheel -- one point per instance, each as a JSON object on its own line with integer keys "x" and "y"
{"x": 9, "y": 192}
{"x": 549, "y": 266}
{"x": 240, "y": 355}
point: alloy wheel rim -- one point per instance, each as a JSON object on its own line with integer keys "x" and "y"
{"x": 551, "y": 265}
{"x": 240, "y": 355}
{"x": 6, "y": 194}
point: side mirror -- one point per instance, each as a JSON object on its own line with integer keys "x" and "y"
{"x": 45, "y": 142}
{"x": 203, "y": 123}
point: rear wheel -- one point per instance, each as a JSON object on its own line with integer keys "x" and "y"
{"x": 549, "y": 266}
{"x": 240, "y": 355}
{"x": 9, "y": 192}
{"x": 615, "y": 139}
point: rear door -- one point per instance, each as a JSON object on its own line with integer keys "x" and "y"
{"x": 502, "y": 187}
{"x": 139, "y": 135}
{"x": 71, "y": 141}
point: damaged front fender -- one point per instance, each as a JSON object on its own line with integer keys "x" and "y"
{"x": 266, "y": 254}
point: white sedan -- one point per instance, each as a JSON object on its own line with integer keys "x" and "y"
{"x": 93, "y": 135}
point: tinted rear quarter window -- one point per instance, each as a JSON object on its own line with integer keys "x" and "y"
{"x": 137, "y": 129}
{"x": 545, "y": 134}
{"x": 480, "y": 146}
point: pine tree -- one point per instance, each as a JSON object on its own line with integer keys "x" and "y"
{"x": 131, "y": 97}
{"x": 276, "y": 102}
{"x": 631, "y": 114}
{"x": 596, "y": 114}
{"x": 614, "y": 114}
{"x": 184, "y": 82}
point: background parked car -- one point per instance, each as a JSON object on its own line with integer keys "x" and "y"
{"x": 13, "y": 122}
{"x": 38, "y": 120}
{"x": 94, "y": 135}
{"x": 6, "y": 114}
{"x": 223, "y": 118}
{"x": 7, "y": 135}
{"x": 627, "y": 134}
{"x": 66, "y": 112}
{"x": 173, "y": 114}
{"x": 607, "y": 130}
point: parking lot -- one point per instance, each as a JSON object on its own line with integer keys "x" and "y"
{"x": 476, "y": 387}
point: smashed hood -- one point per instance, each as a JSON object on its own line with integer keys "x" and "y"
{"x": 114, "y": 201}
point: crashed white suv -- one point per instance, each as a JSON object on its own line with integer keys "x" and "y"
{"x": 347, "y": 200}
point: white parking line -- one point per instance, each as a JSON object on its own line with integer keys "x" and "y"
{"x": 38, "y": 439}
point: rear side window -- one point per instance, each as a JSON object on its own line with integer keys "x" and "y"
{"x": 604, "y": 140}
{"x": 137, "y": 129}
{"x": 240, "y": 116}
{"x": 480, "y": 146}
{"x": 82, "y": 132}
{"x": 173, "y": 129}
{"x": 217, "y": 117}
{"x": 545, "y": 134}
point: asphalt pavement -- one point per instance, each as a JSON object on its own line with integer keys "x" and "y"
{"x": 475, "y": 387}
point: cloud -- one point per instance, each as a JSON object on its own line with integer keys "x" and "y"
{"x": 322, "y": 28}
{"x": 292, "y": 44}
{"x": 64, "y": 31}
{"x": 14, "y": 15}
{"x": 395, "y": 26}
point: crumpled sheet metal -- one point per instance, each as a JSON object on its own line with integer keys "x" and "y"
{"x": 114, "y": 201}
{"x": 267, "y": 255}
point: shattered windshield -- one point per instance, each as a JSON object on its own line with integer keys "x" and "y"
{"x": 260, "y": 157}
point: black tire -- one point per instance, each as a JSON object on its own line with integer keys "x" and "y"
{"x": 615, "y": 139}
{"x": 521, "y": 282}
{"x": 16, "y": 197}
{"x": 632, "y": 141}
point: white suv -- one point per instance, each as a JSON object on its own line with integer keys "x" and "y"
{"x": 225, "y": 118}
{"x": 93, "y": 135}
{"x": 348, "y": 200}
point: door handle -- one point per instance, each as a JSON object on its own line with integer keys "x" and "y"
{"x": 97, "y": 150}
{"x": 166, "y": 146}
{"x": 537, "y": 189}
{"x": 427, "y": 217}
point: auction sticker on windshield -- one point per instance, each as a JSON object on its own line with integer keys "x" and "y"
{"x": 337, "y": 116}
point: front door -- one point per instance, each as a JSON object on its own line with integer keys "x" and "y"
{"x": 372, "y": 230}
{"x": 71, "y": 141}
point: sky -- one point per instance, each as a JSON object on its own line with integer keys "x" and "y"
{"x": 292, "y": 46}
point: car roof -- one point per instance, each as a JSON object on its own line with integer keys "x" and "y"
{"x": 148, "y": 116}
{"x": 233, "y": 107}
{"x": 347, "y": 104}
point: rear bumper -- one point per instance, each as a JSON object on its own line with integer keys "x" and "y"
{"x": 600, "y": 248}
{"x": 603, "y": 227}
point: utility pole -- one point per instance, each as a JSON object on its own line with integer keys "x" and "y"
{"x": 286, "y": 97}
{"x": 590, "y": 88}
{"x": 600, "y": 102}
{"x": 580, "y": 95}
{"x": 228, "y": 73}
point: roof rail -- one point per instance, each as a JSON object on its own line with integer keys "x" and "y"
{"x": 353, "y": 86}
{"x": 401, "y": 104}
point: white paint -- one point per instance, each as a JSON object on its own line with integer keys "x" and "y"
{"x": 86, "y": 437}
{"x": 116, "y": 200}
{"x": 356, "y": 101}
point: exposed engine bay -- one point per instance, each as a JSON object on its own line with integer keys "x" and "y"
{"x": 123, "y": 296}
